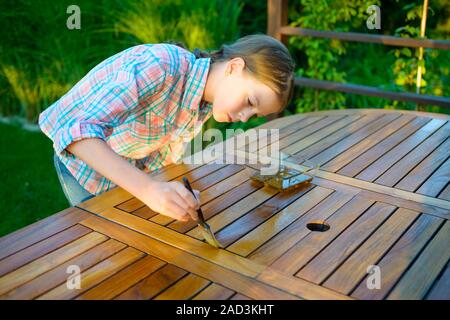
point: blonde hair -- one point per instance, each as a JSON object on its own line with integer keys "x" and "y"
{"x": 266, "y": 58}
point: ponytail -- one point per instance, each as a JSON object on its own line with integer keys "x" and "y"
{"x": 214, "y": 55}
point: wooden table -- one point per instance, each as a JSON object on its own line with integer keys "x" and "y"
{"x": 383, "y": 188}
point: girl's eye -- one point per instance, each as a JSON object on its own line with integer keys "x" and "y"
{"x": 249, "y": 102}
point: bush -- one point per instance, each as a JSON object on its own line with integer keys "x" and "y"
{"x": 41, "y": 59}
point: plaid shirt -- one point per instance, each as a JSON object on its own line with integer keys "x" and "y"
{"x": 144, "y": 102}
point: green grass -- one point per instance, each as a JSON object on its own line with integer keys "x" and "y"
{"x": 29, "y": 188}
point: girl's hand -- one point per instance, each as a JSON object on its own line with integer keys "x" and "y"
{"x": 171, "y": 199}
{"x": 168, "y": 198}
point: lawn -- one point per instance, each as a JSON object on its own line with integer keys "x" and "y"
{"x": 29, "y": 189}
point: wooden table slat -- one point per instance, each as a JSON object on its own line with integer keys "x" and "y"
{"x": 217, "y": 205}
{"x": 425, "y": 169}
{"x": 288, "y": 133}
{"x": 124, "y": 279}
{"x": 95, "y": 274}
{"x": 239, "y": 296}
{"x": 302, "y": 145}
{"x": 400, "y": 256}
{"x": 255, "y": 217}
{"x": 348, "y": 275}
{"x": 370, "y": 156}
{"x": 153, "y": 284}
{"x": 307, "y": 131}
{"x": 441, "y": 288}
{"x": 407, "y": 163}
{"x": 348, "y": 141}
{"x": 214, "y": 292}
{"x": 437, "y": 181}
{"x": 40, "y": 230}
{"x": 383, "y": 163}
{"x": 264, "y": 232}
{"x": 49, "y": 261}
{"x": 42, "y": 248}
{"x": 297, "y": 256}
{"x": 281, "y": 242}
{"x": 130, "y": 205}
{"x": 54, "y": 277}
{"x": 359, "y": 148}
{"x": 236, "y": 210}
{"x": 419, "y": 278}
{"x": 323, "y": 265}
{"x": 184, "y": 289}
{"x": 445, "y": 194}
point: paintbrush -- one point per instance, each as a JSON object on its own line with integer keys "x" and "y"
{"x": 206, "y": 229}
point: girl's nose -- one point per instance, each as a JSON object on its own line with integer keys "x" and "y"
{"x": 245, "y": 114}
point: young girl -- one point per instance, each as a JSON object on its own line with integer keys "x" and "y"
{"x": 128, "y": 115}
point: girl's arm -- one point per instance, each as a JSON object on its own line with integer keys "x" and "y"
{"x": 108, "y": 95}
{"x": 168, "y": 198}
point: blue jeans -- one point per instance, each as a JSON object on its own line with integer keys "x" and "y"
{"x": 73, "y": 191}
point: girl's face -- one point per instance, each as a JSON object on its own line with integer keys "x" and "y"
{"x": 238, "y": 95}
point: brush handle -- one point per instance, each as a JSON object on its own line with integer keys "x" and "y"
{"x": 199, "y": 211}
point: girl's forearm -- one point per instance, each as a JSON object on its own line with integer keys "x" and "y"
{"x": 99, "y": 156}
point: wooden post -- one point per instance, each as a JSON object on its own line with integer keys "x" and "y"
{"x": 277, "y": 17}
{"x": 277, "y": 13}
{"x": 423, "y": 25}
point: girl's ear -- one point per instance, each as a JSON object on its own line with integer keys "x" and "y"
{"x": 235, "y": 66}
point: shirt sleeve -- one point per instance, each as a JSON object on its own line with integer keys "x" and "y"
{"x": 103, "y": 99}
